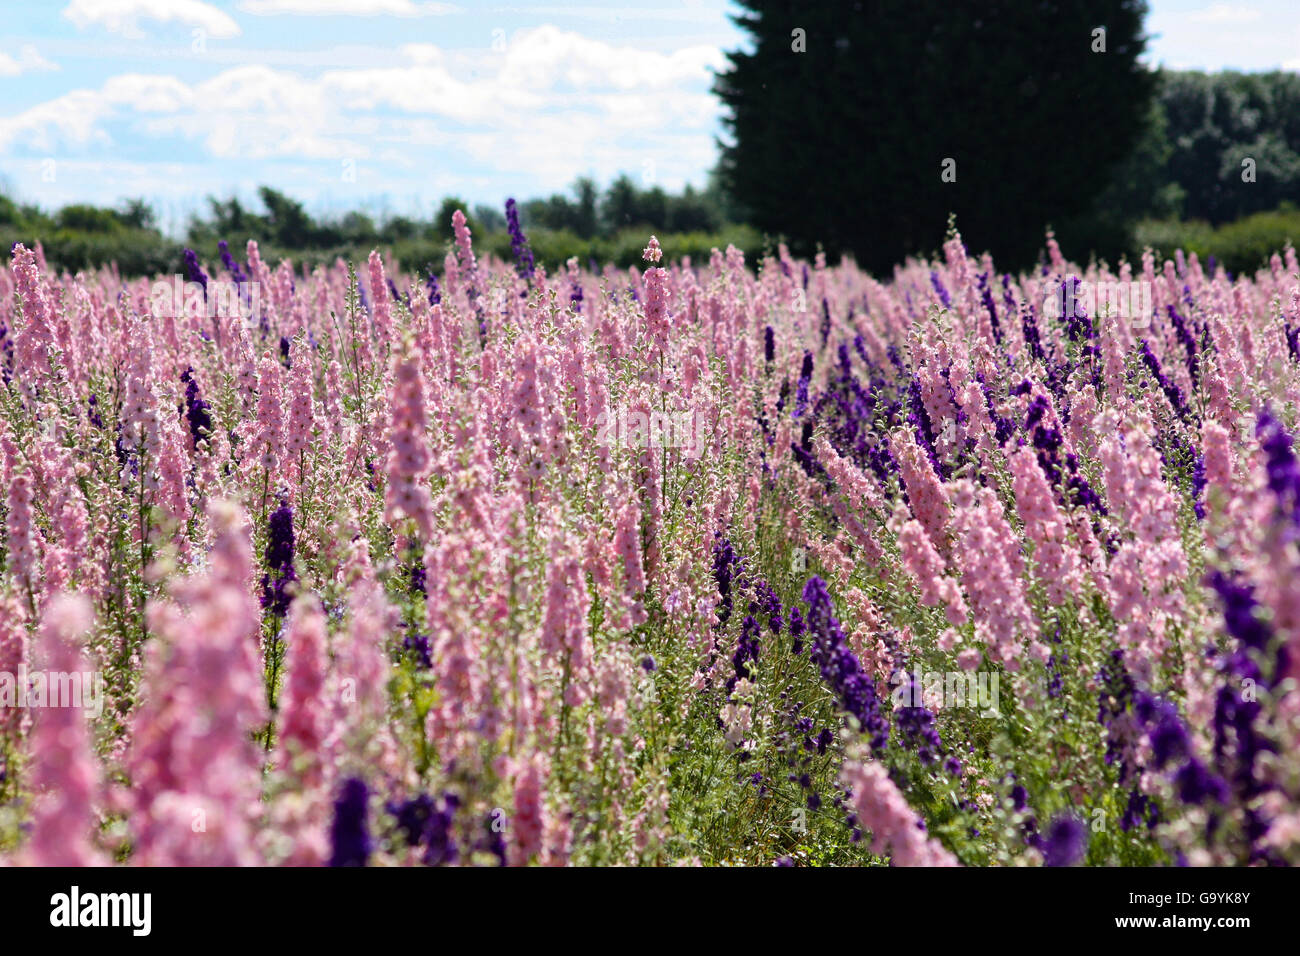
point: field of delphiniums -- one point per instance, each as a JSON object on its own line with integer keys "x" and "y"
{"x": 726, "y": 562}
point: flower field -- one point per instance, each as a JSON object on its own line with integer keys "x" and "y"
{"x": 744, "y": 563}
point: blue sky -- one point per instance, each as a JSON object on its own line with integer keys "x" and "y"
{"x": 391, "y": 104}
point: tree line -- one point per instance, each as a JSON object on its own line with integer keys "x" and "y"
{"x": 863, "y": 126}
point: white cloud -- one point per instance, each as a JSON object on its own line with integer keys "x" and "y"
{"x": 143, "y": 93}
{"x": 1226, "y": 13}
{"x": 551, "y": 105}
{"x": 28, "y": 61}
{"x": 348, "y": 8}
{"x": 72, "y": 118}
{"x": 546, "y": 55}
{"x": 124, "y": 16}
{"x": 76, "y": 118}
{"x": 254, "y": 112}
{"x": 422, "y": 53}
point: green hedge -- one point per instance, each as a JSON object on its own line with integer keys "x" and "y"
{"x": 136, "y": 252}
{"x": 1241, "y": 247}
{"x": 145, "y": 253}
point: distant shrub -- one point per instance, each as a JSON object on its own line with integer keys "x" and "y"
{"x": 1240, "y": 247}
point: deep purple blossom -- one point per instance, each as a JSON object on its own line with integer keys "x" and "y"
{"x": 1066, "y": 841}
{"x": 349, "y": 834}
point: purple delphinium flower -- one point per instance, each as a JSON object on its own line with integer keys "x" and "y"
{"x": 1139, "y": 810}
{"x": 769, "y": 345}
{"x": 1238, "y": 743}
{"x": 197, "y": 412}
{"x": 796, "y": 631}
{"x": 1188, "y": 341}
{"x": 1293, "y": 341}
{"x": 194, "y": 272}
{"x": 412, "y": 816}
{"x": 801, "y": 391}
{"x": 1065, "y": 842}
{"x": 524, "y": 262}
{"x": 229, "y": 263}
{"x": 939, "y": 289}
{"x": 747, "y": 650}
{"x": 1193, "y": 781}
{"x": 1280, "y": 462}
{"x": 769, "y": 604}
{"x": 840, "y": 667}
{"x": 915, "y": 724}
{"x": 725, "y": 563}
{"x": 418, "y": 645}
{"x": 426, "y": 822}
{"x": 1029, "y": 324}
{"x": 986, "y": 295}
{"x": 493, "y": 840}
{"x": 1167, "y": 385}
{"x": 1115, "y": 700}
{"x": 418, "y": 581}
{"x": 349, "y": 835}
{"x": 279, "y": 561}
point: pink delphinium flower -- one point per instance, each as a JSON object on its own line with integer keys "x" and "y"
{"x": 304, "y": 720}
{"x": 991, "y": 572}
{"x": 358, "y": 682}
{"x": 656, "y": 290}
{"x": 464, "y": 243}
{"x": 627, "y": 544}
{"x": 266, "y": 449}
{"x": 13, "y": 657}
{"x": 35, "y": 337}
{"x": 859, "y": 491}
{"x": 194, "y": 769}
{"x": 409, "y": 460}
{"x": 529, "y": 823}
{"x": 64, "y": 771}
{"x": 381, "y": 307}
{"x": 23, "y": 537}
{"x": 882, "y": 810}
{"x": 925, "y": 491}
{"x": 564, "y": 626}
{"x": 302, "y": 401}
{"x": 173, "y": 466}
{"x": 938, "y": 403}
{"x": 332, "y": 404}
{"x": 141, "y": 425}
{"x": 925, "y": 565}
{"x": 613, "y": 684}
{"x": 452, "y": 634}
{"x": 1056, "y": 561}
